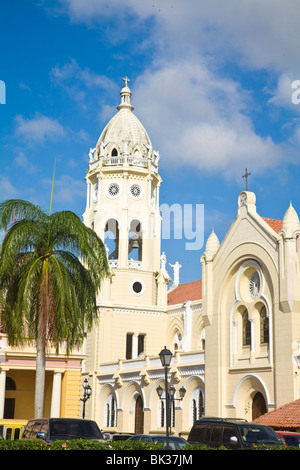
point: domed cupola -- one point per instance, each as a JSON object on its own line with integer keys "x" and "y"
{"x": 124, "y": 134}
{"x": 290, "y": 221}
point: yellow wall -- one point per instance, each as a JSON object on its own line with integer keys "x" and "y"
{"x": 70, "y": 394}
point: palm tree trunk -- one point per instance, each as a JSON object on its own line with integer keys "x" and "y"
{"x": 40, "y": 378}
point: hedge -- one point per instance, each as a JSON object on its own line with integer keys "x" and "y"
{"x": 83, "y": 444}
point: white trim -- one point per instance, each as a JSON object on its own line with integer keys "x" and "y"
{"x": 142, "y": 284}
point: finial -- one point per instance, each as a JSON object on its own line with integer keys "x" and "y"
{"x": 125, "y": 96}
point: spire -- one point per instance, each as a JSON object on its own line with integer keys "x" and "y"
{"x": 212, "y": 245}
{"x": 290, "y": 221}
{"x": 125, "y": 96}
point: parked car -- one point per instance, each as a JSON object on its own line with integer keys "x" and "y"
{"x": 175, "y": 442}
{"x": 52, "y": 429}
{"x": 232, "y": 433}
{"x": 290, "y": 438}
{"x": 12, "y": 429}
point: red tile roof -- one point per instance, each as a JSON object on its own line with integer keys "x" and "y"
{"x": 274, "y": 224}
{"x": 184, "y": 292}
{"x": 285, "y": 417}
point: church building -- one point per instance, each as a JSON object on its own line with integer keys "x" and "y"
{"x": 234, "y": 334}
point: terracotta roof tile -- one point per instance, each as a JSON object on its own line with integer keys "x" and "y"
{"x": 285, "y": 417}
{"x": 184, "y": 292}
{"x": 274, "y": 224}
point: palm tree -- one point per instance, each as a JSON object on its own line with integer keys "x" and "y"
{"x": 51, "y": 267}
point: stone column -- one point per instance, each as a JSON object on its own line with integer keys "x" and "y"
{"x": 56, "y": 395}
{"x": 2, "y": 392}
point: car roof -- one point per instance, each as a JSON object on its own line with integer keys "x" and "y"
{"x": 288, "y": 433}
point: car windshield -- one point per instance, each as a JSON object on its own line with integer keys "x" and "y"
{"x": 174, "y": 442}
{"x": 292, "y": 440}
{"x": 80, "y": 429}
{"x": 259, "y": 435}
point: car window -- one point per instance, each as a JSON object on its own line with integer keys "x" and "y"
{"x": 229, "y": 431}
{"x": 292, "y": 440}
{"x": 28, "y": 430}
{"x": 200, "y": 433}
{"x": 36, "y": 428}
{"x": 216, "y": 435}
{"x": 252, "y": 434}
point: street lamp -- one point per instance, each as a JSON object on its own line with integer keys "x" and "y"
{"x": 165, "y": 358}
{"x": 87, "y": 392}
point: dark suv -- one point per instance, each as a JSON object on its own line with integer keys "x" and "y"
{"x": 232, "y": 433}
{"x": 52, "y": 429}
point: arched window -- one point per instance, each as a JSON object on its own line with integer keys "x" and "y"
{"x": 246, "y": 329}
{"x": 196, "y": 405}
{"x": 264, "y": 326}
{"x": 110, "y": 411}
{"x": 162, "y": 404}
{"x": 114, "y": 152}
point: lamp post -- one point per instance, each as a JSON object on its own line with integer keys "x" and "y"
{"x": 87, "y": 392}
{"x": 165, "y": 358}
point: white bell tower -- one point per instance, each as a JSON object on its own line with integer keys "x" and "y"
{"x": 123, "y": 206}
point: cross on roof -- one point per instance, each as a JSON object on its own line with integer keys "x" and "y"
{"x": 126, "y": 79}
{"x": 246, "y": 177}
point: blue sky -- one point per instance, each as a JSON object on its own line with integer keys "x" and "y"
{"x": 211, "y": 82}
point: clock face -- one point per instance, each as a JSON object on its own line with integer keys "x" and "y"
{"x": 254, "y": 285}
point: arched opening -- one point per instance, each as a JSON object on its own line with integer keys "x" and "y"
{"x": 114, "y": 152}
{"x": 139, "y": 416}
{"x": 111, "y": 239}
{"x": 259, "y": 406}
{"x": 135, "y": 241}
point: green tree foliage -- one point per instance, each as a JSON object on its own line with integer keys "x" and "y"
{"x": 51, "y": 268}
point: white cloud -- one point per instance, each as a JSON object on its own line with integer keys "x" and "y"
{"x": 38, "y": 129}
{"x": 80, "y": 82}
{"x": 192, "y": 113}
{"x": 199, "y": 119}
{"x": 7, "y": 189}
{"x": 67, "y": 189}
{"x": 22, "y": 161}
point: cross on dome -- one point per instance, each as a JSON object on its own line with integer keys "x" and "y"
{"x": 126, "y": 80}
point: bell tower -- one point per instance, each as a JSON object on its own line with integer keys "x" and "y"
{"x": 123, "y": 206}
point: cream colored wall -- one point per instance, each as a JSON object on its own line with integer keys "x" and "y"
{"x": 233, "y": 379}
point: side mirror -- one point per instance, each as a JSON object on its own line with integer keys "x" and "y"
{"x": 233, "y": 440}
{"x": 40, "y": 435}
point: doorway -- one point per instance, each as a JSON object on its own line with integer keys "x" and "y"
{"x": 259, "y": 406}
{"x": 139, "y": 416}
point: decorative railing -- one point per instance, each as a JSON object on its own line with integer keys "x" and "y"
{"x": 133, "y": 264}
{"x": 113, "y": 263}
{"x": 110, "y": 161}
